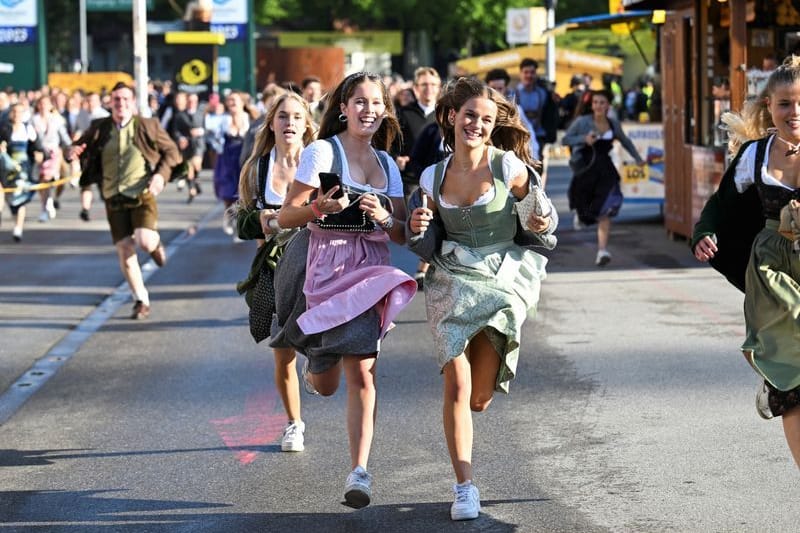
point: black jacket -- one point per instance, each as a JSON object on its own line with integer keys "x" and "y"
{"x": 735, "y": 218}
{"x": 412, "y": 121}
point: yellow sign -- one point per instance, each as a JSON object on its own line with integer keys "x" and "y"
{"x": 194, "y": 72}
{"x": 358, "y": 41}
{"x": 94, "y": 82}
{"x": 633, "y": 173}
{"x": 615, "y": 7}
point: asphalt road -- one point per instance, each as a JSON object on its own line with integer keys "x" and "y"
{"x": 632, "y": 410}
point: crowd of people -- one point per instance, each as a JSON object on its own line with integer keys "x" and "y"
{"x": 323, "y": 182}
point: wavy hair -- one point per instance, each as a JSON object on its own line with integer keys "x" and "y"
{"x": 508, "y": 133}
{"x": 754, "y": 121}
{"x": 264, "y": 142}
{"x": 330, "y": 124}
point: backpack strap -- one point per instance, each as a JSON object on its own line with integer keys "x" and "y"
{"x": 262, "y": 166}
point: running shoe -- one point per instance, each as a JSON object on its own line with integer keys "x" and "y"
{"x": 307, "y": 385}
{"x": 762, "y": 401}
{"x": 603, "y": 258}
{"x": 293, "y": 439}
{"x": 467, "y": 504}
{"x": 358, "y": 488}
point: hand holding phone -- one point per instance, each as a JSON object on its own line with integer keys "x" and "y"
{"x": 329, "y": 180}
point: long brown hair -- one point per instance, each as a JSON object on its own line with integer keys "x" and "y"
{"x": 264, "y": 142}
{"x": 330, "y": 124}
{"x": 508, "y": 133}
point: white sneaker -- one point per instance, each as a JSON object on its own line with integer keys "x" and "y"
{"x": 467, "y": 504}
{"x": 44, "y": 216}
{"x": 358, "y": 488}
{"x": 307, "y": 385}
{"x": 577, "y": 225}
{"x": 603, "y": 258}
{"x": 50, "y": 207}
{"x": 762, "y": 401}
{"x": 16, "y": 234}
{"x": 292, "y": 440}
{"x": 181, "y": 184}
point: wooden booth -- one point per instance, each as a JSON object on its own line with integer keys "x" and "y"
{"x": 710, "y": 62}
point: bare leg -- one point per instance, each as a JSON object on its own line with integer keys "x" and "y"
{"x": 20, "y": 219}
{"x": 791, "y": 429}
{"x": 359, "y": 375}
{"x": 286, "y": 381}
{"x": 469, "y": 384}
{"x": 146, "y": 239}
{"x": 457, "y": 416}
{"x": 86, "y": 198}
{"x": 129, "y": 265}
{"x": 603, "y": 230}
{"x": 327, "y": 383}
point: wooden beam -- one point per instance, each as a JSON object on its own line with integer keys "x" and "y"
{"x": 738, "y": 38}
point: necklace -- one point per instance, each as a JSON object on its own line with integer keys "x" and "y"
{"x": 793, "y": 148}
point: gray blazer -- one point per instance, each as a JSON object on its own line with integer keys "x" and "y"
{"x": 575, "y": 137}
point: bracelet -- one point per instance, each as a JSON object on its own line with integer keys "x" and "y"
{"x": 387, "y": 224}
{"x": 315, "y": 209}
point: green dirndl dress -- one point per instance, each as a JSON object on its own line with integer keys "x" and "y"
{"x": 481, "y": 281}
{"x": 772, "y": 308}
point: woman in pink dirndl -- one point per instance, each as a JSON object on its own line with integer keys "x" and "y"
{"x": 336, "y": 292}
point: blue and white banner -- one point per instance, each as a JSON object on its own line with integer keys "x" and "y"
{"x": 14, "y": 13}
{"x": 228, "y": 12}
{"x": 17, "y": 35}
{"x": 232, "y": 32}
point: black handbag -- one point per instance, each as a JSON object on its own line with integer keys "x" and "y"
{"x": 259, "y": 289}
{"x": 351, "y": 218}
{"x": 262, "y": 304}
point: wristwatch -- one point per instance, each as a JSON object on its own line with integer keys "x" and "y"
{"x": 387, "y": 224}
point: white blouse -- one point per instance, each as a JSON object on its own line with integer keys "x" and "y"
{"x": 746, "y": 169}
{"x": 512, "y": 167}
{"x": 318, "y": 157}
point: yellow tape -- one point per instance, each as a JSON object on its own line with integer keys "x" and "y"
{"x": 38, "y": 186}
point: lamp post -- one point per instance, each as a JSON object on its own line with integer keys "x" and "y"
{"x": 550, "y": 47}
{"x": 140, "y": 73}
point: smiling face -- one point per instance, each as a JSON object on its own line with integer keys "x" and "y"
{"x": 473, "y": 123}
{"x": 289, "y": 123}
{"x": 122, "y": 105}
{"x": 365, "y": 109}
{"x": 600, "y": 105}
{"x": 784, "y": 107}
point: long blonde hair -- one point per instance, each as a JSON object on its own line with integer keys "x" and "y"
{"x": 755, "y": 121}
{"x": 264, "y": 143}
{"x": 508, "y": 133}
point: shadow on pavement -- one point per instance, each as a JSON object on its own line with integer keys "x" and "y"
{"x": 100, "y": 510}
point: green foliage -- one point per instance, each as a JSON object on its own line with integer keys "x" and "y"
{"x": 604, "y": 41}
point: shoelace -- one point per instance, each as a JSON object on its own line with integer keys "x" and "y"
{"x": 292, "y": 430}
{"x": 463, "y": 494}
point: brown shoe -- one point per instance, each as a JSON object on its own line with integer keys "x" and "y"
{"x": 159, "y": 255}
{"x": 140, "y": 311}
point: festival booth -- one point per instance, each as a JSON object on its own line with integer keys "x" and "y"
{"x": 568, "y": 63}
{"x": 639, "y": 184}
{"x": 711, "y": 55}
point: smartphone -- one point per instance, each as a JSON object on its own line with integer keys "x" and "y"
{"x": 330, "y": 179}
